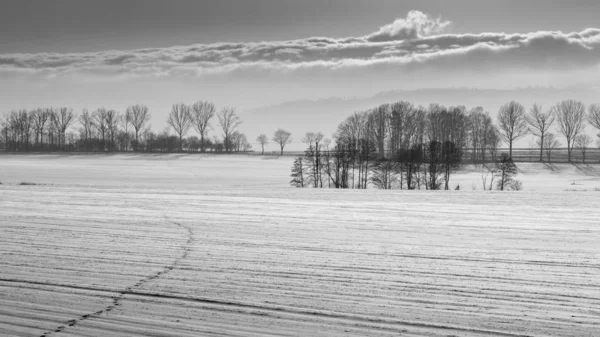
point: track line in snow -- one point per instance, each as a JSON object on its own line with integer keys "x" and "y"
{"x": 129, "y": 290}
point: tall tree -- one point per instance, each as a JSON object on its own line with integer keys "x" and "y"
{"x": 229, "y": 121}
{"x": 282, "y": 138}
{"x": 124, "y": 137}
{"x": 379, "y": 120}
{"x": 25, "y": 124}
{"x": 180, "y": 119}
{"x": 111, "y": 119}
{"x": 476, "y": 123}
{"x": 582, "y": 142}
{"x": 5, "y": 128}
{"x": 138, "y": 116}
{"x": 570, "y": 115}
{"x": 239, "y": 142}
{"x": 202, "y": 113}
{"x": 550, "y": 143}
{"x": 87, "y": 124}
{"x": 62, "y": 118}
{"x": 593, "y": 117}
{"x": 262, "y": 140}
{"x": 512, "y": 122}
{"x": 40, "y": 118}
{"x": 540, "y": 123}
{"x": 99, "y": 121}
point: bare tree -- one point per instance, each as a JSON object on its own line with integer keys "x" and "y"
{"x": 282, "y": 138}
{"x": 229, "y": 121}
{"x": 594, "y": 117}
{"x": 99, "y": 121}
{"x": 62, "y": 118}
{"x": 5, "y": 127}
{"x": 379, "y": 119}
{"x": 87, "y": 123}
{"x": 540, "y": 123}
{"x": 239, "y": 142}
{"x": 203, "y": 112}
{"x": 490, "y": 173}
{"x": 512, "y": 122}
{"x": 180, "y": 119}
{"x": 570, "y": 115}
{"x": 313, "y": 157}
{"x": 582, "y": 142}
{"x": 111, "y": 119}
{"x": 506, "y": 170}
{"x": 138, "y": 116}
{"x": 25, "y": 124}
{"x": 40, "y": 118}
{"x": 550, "y": 143}
{"x": 124, "y": 137}
{"x": 476, "y": 123}
{"x": 263, "y": 140}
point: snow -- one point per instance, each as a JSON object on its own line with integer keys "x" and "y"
{"x": 189, "y": 245}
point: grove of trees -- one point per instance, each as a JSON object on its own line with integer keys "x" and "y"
{"x": 404, "y": 146}
{"x": 397, "y": 145}
{"x": 107, "y": 130}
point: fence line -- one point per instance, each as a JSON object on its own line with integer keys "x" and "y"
{"x": 520, "y": 155}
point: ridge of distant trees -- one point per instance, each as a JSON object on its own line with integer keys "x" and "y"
{"x": 403, "y": 146}
{"x": 106, "y": 130}
{"x": 389, "y": 137}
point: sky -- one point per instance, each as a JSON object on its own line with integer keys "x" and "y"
{"x": 254, "y": 53}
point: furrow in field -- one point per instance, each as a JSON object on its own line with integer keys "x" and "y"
{"x": 284, "y": 262}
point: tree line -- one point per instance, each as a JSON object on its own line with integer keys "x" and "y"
{"x": 107, "y": 130}
{"x": 390, "y": 128}
{"x": 404, "y": 146}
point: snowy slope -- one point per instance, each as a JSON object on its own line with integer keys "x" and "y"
{"x": 212, "y": 246}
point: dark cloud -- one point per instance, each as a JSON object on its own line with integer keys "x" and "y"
{"x": 408, "y": 44}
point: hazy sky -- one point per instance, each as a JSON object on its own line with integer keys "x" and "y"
{"x": 251, "y": 53}
{"x": 34, "y": 26}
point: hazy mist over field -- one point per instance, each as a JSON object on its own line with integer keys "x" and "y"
{"x": 184, "y": 168}
{"x": 256, "y": 54}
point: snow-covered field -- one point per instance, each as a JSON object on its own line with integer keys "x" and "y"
{"x": 179, "y": 245}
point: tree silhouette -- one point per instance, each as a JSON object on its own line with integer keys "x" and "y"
{"x": 506, "y": 170}
{"x": 180, "y": 119}
{"x": 138, "y": 116}
{"x": 512, "y": 122}
{"x": 202, "y": 113}
{"x": 262, "y": 140}
{"x": 282, "y": 138}
{"x": 570, "y": 115}
{"x": 229, "y": 121}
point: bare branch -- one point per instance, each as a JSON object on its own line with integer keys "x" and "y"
{"x": 512, "y": 123}
{"x": 282, "y": 138}
{"x": 570, "y": 116}
{"x": 229, "y": 121}
{"x": 180, "y": 119}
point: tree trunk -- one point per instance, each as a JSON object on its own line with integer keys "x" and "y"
{"x": 542, "y": 148}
